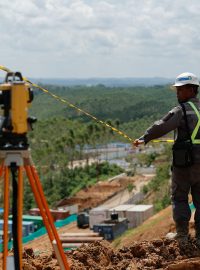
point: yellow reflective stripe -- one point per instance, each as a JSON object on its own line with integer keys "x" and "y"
{"x": 194, "y": 133}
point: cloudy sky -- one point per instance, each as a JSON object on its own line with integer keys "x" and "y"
{"x": 100, "y": 38}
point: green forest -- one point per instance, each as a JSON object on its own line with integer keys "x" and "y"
{"x": 61, "y": 133}
{"x": 132, "y": 109}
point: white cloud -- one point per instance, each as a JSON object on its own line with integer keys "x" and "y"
{"x": 100, "y": 37}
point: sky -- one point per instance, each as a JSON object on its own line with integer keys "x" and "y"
{"x": 100, "y": 38}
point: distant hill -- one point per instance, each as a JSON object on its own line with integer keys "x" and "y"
{"x": 110, "y": 82}
{"x": 123, "y": 103}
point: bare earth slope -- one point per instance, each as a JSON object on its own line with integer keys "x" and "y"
{"x": 144, "y": 248}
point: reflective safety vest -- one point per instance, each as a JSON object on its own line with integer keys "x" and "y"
{"x": 194, "y": 133}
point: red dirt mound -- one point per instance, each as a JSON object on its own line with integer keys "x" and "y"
{"x": 156, "y": 254}
{"x": 162, "y": 254}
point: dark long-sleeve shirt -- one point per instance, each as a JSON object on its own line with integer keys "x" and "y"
{"x": 174, "y": 120}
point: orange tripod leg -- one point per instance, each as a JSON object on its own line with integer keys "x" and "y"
{"x": 33, "y": 176}
{"x": 5, "y": 217}
{"x": 38, "y": 201}
{"x": 20, "y": 212}
{"x": 1, "y": 169}
{"x": 56, "y": 237}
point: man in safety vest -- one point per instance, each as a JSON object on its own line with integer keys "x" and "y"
{"x": 185, "y": 120}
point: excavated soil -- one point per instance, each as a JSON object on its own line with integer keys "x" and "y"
{"x": 162, "y": 254}
{"x": 134, "y": 252}
{"x": 146, "y": 249}
{"x": 99, "y": 193}
{"x": 138, "y": 251}
{"x": 156, "y": 254}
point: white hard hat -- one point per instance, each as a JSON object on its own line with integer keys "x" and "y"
{"x": 186, "y": 78}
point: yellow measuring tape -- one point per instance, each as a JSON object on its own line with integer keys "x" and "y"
{"x": 163, "y": 140}
{"x": 121, "y": 133}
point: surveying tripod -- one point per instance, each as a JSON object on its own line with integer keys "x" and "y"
{"x": 16, "y": 162}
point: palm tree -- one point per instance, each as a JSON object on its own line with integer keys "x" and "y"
{"x": 70, "y": 149}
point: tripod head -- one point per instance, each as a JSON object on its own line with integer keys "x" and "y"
{"x": 16, "y": 96}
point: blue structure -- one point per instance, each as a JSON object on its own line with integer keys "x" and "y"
{"x": 27, "y": 226}
{"x": 110, "y": 229}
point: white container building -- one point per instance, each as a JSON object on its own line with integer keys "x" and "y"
{"x": 121, "y": 210}
{"x": 98, "y": 215}
{"x": 73, "y": 209}
{"x": 137, "y": 214}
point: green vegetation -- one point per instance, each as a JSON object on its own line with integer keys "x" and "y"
{"x": 57, "y": 141}
{"x": 61, "y": 133}
{"x": 146, "y": 159}
{"x": 133, "y": 108}
{"x": 130, "y": 187}
{"x": 162, "y": 175}
{"x": 65, "y": 182}
{"x": 158, "y": 189}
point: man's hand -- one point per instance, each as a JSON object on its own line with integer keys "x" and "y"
{"x": 138, "y": 142}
